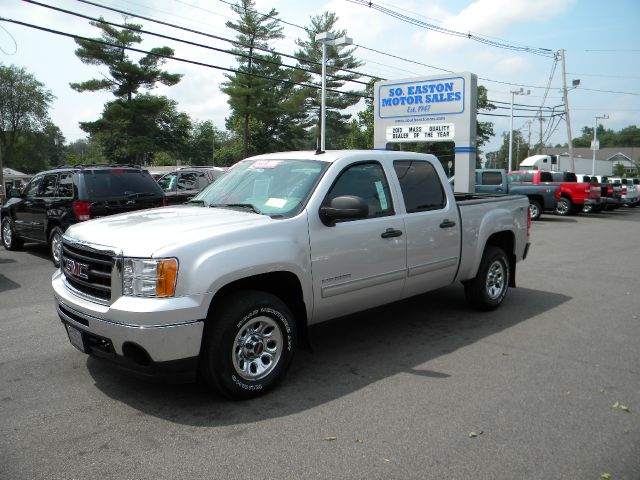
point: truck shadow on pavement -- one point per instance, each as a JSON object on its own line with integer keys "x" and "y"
{"x": 349, "y": 354}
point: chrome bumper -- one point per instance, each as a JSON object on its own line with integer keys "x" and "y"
{"x": 163, "y": 339}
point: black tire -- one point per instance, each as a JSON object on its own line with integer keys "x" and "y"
{"x": 596, "y": 209}
{"x": 491, "y": 284}
{"x": 248, "y": 344}
{"x": 587, "y": 209}
{"x": 564, "y": 207}
{"x": 9, "y": 238}
{"x": 535, "y": 209}
{"x": 55, "y": 245}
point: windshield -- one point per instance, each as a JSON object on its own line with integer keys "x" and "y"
{"x": 271, "y": 187}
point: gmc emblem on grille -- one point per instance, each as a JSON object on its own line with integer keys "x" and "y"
{"x": 76, "y": 269}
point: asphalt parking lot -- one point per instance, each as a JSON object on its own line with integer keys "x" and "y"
{"x": 395, "y": 392}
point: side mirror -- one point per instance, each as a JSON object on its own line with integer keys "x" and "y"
{"x": 14, "y": 193}
{"x": 343, "y": 208}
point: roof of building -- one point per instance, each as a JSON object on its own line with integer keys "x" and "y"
{"x": 605, "y": 153}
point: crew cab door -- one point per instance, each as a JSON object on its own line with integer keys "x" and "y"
{"x": 432, "y": 227}
{"x": 23, "y": 216}
{"x": 358, "y": 263}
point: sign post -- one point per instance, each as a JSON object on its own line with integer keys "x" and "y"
{"x": 431, "y": 109}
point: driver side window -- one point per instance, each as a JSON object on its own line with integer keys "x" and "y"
{"x": 367, "y": 181}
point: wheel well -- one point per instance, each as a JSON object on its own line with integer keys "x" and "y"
{"x": 537, "y": 199}
{"x": 50, "y": 226}
{"x": 505, "y": 241}
{"x": 284, "y": 285}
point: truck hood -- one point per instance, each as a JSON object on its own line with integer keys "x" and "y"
{"x": 144, "y": 232}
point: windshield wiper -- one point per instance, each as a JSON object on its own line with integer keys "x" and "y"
{"x": 249, "y": 206}
{"x": 199, "y": 202}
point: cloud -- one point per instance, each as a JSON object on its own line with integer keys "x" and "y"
{"x": 491, "y": 18}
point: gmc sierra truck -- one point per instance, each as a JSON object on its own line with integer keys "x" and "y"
{"x": 227, "y": 284}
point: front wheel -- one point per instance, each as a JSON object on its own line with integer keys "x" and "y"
{"x": 564, "y": 207}
{"x": 248, "y": 344}
{"x": 490, "y": 285}
{"x": 9, "y": 238}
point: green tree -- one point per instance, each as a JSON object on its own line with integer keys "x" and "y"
{"x": 24, "y": 111}
{"x": 126, "y": 77}
{"x": 136, "y": 125}
{"x": 339, "y": 59}
{"x": 133, "y": 131}
{"x": 265, "y": 105}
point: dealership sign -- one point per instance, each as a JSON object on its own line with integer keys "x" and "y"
{"x": 430, "y": 109}
{"x": 408, "y": 99}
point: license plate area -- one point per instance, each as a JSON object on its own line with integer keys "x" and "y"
{"x": 76, "y": 338}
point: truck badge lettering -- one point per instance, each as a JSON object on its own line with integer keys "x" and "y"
{"x": 76, "y": 269}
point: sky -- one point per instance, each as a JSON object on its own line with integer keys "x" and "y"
{"x": 601, "y": 42}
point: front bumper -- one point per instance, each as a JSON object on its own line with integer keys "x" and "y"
{"x": 125, "y": 332}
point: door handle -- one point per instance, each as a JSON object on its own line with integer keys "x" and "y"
{"x": 447, "y": 224}
{"x": 390, "y": 232}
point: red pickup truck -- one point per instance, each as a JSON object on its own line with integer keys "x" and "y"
{"x": 574, "y": 195}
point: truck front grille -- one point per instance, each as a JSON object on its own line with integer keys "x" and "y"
{"x": 87, "y": 269}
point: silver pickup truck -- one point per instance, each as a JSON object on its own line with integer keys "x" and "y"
{"x": 225, "y": 285}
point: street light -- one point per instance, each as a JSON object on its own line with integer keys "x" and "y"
{"x": 327, "y": 38}
{"x": 595, "y": 142}
{"x": 514, "y": 92}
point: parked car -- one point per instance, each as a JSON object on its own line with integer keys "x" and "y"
{"x": 226, "y": 284}
{"x": 574, "y": 195}
{"x": 184, "y": 183}
{"x": 610, "y": 194}
{"x": 541, "y": 197}
{"x": 60, "y": 197}
{"x": 630, "y": 190}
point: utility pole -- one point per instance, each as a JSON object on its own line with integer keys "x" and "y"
{"x": 529, "y": 139}
{"x": 540, "y": 145}
{"x": 565, "y": 97}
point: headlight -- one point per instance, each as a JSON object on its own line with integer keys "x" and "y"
{"x": 147, "y": 277}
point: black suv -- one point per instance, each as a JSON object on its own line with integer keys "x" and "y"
{"x": 57, "y": 198}
{"x": 184, "y": 183}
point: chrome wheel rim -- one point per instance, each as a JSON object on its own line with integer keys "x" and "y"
{"x": 257, "y": 348}
{"x": 496, "y": 280}
{"x": 533, "y": 210}
{"x": 7, "y": 233}
{"x": 562, "y": 208}
{"x": 56, "y": 247}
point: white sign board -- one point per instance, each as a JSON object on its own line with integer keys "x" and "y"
{"x": 596, "y": 146}
{"x": 429, "y": 132}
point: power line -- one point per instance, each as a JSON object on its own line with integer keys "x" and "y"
{"x": 187, "y": 42}
{"x": 357, "y": 45}
{"x": 216, "y": 37}
{"x": 468, "y": 35}
{"x": 178, "y": 59}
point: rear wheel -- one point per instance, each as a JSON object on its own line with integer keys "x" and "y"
{"x": 564, "y": 207}
{"x": 9, "y": 238}
{"x": 490, "y": 285}
{"x": 535, "y": 209}
{"x": 55, "y": 243}
{"x": 248, "y": 344}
